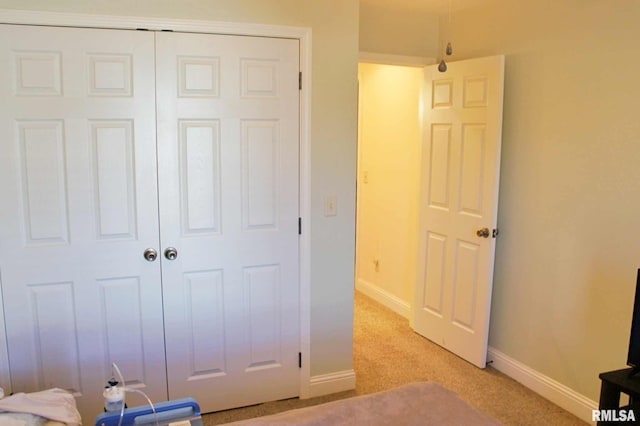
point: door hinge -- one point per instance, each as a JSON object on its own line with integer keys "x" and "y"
{"x": 299, "y": 226}
{"x": 495, "y": 233}
{"x": 299, "y": 359}
{"x": 300, "y": 80}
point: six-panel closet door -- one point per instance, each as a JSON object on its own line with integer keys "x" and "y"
{"x": 90, "y": 179}
{"x": 228, "y": 179}
{"x": 78, "y": 187}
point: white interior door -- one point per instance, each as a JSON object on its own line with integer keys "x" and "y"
{"x": 228, "y": 161}
{"x": 79, "y": 207}
{"x": 458, "y": 207}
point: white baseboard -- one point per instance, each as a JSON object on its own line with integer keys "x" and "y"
{"x": 326, "y": 384}
{"x": 575, "y": 403}
{"x": 383, "y": 297}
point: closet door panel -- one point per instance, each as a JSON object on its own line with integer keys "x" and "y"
{"x": 79, "y": 190}
{"x": 228, "y": 179}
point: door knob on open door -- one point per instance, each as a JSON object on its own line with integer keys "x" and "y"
{"x": 171, "y": 253}
{"x": 483, "y": 233}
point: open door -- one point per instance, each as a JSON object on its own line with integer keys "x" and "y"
{"x": 459, "y": 205}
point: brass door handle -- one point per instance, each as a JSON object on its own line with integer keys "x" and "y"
{"x": 483, "y": 233}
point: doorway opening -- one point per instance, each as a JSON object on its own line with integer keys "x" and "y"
{"x": 389, "y": 153}
{"x": 442, "y": 236}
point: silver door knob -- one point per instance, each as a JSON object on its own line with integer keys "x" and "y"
{"x": 171, "y": 253}
{"x": 483, "y": 233}
{"x": 150, "y": 254}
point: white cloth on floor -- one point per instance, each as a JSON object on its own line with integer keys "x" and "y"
{"x": 24, "y": 419}
{"x": 55, "y": 404}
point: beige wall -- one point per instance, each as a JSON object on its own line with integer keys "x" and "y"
{"x": 389, "y": 156}
{"x": 569, "y": 243}
{"x": 333, "y": 147}
{"x": 398, "y": 31}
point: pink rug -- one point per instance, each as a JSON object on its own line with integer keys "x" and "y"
{"x": 412, "y": 404}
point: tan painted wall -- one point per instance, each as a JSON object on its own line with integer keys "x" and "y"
{"x": 389, "y": 157}
{"x": 398, "y": 31}
{"x": 333, "y": 148}
{"x": 569, "y": 243}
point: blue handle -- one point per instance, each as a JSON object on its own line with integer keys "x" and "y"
{"x": 130, "y": 414}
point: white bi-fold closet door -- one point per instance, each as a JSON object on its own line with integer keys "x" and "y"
{"x": 113, "y": 142}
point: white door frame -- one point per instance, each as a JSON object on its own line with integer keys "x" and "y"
{"x": 303, "y": 34}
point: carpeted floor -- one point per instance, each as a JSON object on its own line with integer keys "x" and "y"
{"x": 387, "y": 354}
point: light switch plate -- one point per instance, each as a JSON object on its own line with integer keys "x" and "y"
{"x": 331, "y": 205}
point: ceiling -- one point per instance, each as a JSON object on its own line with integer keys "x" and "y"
{"x": 435, "y": 7}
